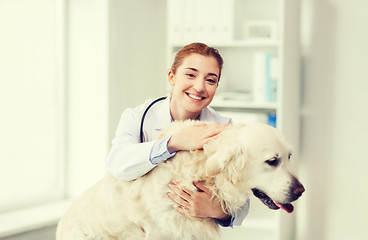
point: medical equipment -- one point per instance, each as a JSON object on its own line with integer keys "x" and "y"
{"x": 144, "y": 115}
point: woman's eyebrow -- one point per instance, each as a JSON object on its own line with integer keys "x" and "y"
{"x": 191, "y": 68}
{"x": 212, "y": 74}
{"x": 196, "y": 70}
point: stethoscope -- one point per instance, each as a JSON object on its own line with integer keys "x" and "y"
{"x": 144, "y": 115}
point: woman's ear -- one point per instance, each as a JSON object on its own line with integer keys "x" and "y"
{"x": 170, "y": 77}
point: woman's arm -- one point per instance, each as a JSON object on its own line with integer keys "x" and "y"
{"x": 128, "y": 158}
{"x": 195, "y": 136}
{"x": 201, "y": 204}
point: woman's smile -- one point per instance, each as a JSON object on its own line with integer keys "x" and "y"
{"x": 195, "y": 97}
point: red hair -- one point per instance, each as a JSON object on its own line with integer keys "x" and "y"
{"x": 197, "y": 48}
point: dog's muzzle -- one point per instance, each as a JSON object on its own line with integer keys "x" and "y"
{"x": 296, "y": 190}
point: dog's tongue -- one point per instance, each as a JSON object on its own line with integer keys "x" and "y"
{"x": 288, "y": 207}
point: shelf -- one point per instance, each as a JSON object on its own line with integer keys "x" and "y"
{"x": 258, "y": 41}
{"x": 235, "y": 43}
{"x": 246, "y": 105}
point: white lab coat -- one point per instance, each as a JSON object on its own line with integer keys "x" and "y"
{"x": 129, "y": 159}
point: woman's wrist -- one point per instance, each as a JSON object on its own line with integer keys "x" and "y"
{"x": 171, "y": 145}
{"x": 223, "y": 216}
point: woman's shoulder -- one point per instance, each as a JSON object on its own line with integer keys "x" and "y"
{"x": 150, "y": 109}
{"x": 141, "y": 108}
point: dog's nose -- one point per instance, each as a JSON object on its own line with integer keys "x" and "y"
{"x": 299, "y": 190}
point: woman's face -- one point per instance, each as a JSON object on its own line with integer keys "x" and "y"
{"x": 194, "y": 86}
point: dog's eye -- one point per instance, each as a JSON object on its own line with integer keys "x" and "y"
{"x": 273, "y": 162}
{"x": 290, "y": 155}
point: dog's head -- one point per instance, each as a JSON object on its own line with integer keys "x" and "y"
{"x": 255, "y": 157}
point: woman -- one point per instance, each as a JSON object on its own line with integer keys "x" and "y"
{"x": 194, "y": 76}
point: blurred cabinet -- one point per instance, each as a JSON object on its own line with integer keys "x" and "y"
{"x": 259, "y": 41}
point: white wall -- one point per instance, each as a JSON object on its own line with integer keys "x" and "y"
{"x": 334, "y": 120}
{"x": 116, "y": 59}
{"x": 88, "y": 88}
{"x": 138, "y": 54}
{"x": 30, "y": 108}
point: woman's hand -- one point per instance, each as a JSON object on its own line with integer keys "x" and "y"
{"x": 196, "y": 203}
{"x": 194, "y": 137}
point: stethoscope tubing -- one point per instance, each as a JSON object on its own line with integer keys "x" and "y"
{"x": 144, "y": 115}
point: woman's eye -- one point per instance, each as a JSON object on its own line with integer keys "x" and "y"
{"x": 190, "y": 75}
{"x": 211, "y": 81}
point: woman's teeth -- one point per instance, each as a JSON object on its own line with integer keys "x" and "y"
{"x": 194, "y": 97}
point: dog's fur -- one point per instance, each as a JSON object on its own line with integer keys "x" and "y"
{"x": 240, "y": 159}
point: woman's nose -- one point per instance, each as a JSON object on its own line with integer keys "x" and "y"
{"x": 198, "y": 85}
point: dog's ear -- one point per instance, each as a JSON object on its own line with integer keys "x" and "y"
{"x": 222, "y": 150}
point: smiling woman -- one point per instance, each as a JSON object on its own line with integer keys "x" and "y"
{"x": 194, "y": 76}
{"x": 195, "y": 84}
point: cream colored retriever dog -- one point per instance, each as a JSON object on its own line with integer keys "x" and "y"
{"x": 241, "y": 160}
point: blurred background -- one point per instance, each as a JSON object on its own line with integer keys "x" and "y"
{"x": 68, "y": 68}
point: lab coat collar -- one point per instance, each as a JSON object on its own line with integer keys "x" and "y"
{"x": 205, "y": 115}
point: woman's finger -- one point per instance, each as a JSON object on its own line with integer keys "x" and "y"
{"x": 217, "y": 128}
{"x": 200, "y": 185}
{"x": 178, "y": 200}
{"x": 177, "y": 184}
{"x": 183, "y": 192}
